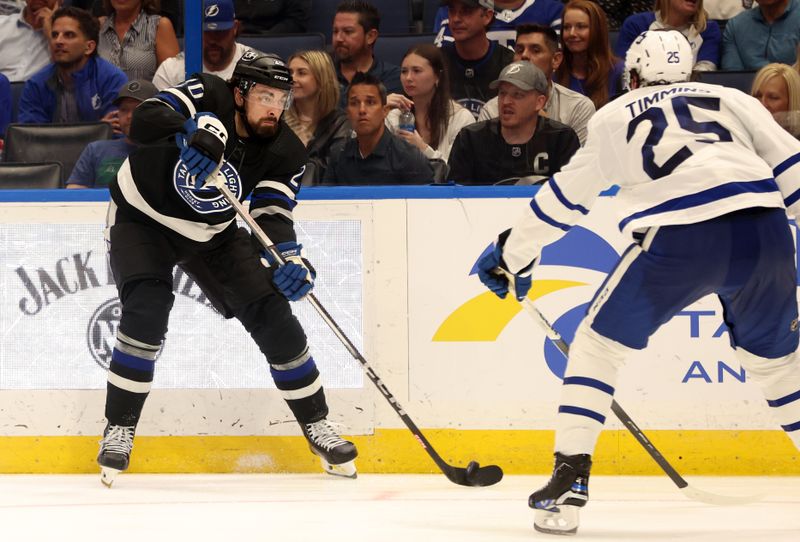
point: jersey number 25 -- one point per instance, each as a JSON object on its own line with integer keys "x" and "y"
{"x": 659, "y": 124}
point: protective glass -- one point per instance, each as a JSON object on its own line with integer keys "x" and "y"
{"x": 269, "y": 97}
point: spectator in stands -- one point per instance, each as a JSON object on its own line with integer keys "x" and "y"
{"x": 100, "y": 160}
{"x": 473, "y": 61}
{"x": 589, "y": 66}
{"x": 438, "y": 118}
{"x": 508, "y": 15}
{"x": 722, "y": 10}
{"x": 521, "y": 144}
{"x": 777, "y": 86}
{"x": 355, "y": 31}
{"x": 539, "y": 44}
{"x": 275, "y": 17}
{"x": 314, "y": 115}
{"x": 24, "y": 39}
{"x": 687, "y": 17}
{"x": 375, "y": 155}
{"x": 221, "y": 51}
{"x": 619, "y": 10}
{"x": 78, "y": 86}
{"x": 5, "y": 105}
{"x": 135, "y": 38}
{"x": 767, "y": 33}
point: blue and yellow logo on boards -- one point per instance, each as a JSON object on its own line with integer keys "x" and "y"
{"x": 485, "y": 316}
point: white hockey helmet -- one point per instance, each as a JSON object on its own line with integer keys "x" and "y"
{"x": 659, "y": 57}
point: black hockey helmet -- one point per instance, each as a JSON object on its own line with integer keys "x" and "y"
{"x": 268, "y": 69}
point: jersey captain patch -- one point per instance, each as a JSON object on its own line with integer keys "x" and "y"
{"x": 206, "y": 200}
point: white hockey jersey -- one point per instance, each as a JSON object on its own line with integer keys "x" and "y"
{"x": 680, "y": 153}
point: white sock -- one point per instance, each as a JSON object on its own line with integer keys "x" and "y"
{"x": 779, "y": 379}
{"x": 588, "y": 390}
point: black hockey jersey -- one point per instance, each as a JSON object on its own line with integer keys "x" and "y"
{"x": 153, "y": 180}
{"x": 480, "y": 155}
{"x": 469, "y": 79}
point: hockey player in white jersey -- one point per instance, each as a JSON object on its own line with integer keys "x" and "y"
{"x": 706, "y": 180}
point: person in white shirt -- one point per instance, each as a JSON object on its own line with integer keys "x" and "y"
{"x": 706, "y": 178}
{"x": 438, "y": 118}
{"x": 24, "y": 39}
{"x": 539, "y": 45}
{"x": 220, "y": 48}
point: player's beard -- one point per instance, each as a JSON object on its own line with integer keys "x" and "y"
{"x": 263, "y": 128}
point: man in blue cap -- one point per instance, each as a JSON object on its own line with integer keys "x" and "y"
{"x": 220, "y": 48}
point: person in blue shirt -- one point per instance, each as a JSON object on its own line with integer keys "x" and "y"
{"x": 77, "y": 86}
{"x": 687, "y": 17}
{"x": 5, "y": 104}
{"x": 507, "y": 15}
{"x": 766, "y": 33}
{"x": 589, "y": 67}
{"x": 100, "y": 160}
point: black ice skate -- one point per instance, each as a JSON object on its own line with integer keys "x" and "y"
{"x": 115, "y": 452}
{"x": 336, "y": 454}
{"x": 558, "y": 502}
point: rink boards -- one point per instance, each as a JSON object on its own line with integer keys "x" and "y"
{"x": 395, "y": 272}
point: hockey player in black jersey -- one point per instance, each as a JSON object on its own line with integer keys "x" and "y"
{"x": 163, "y": 213}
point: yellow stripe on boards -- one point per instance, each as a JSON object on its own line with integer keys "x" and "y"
{"x": 727, "y": 453}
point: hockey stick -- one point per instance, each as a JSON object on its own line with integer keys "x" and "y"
{"x": 690, "y": 492}
{"x": 473, "y": 474}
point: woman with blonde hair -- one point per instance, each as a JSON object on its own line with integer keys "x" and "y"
{"x": 688, "y": 17}
{"x": 313, "y": 115}
{"x": 589, "y": 65}
{"x": 777, "y": 87}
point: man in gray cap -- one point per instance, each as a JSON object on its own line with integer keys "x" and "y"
{"x": 100, "y": 160}
{"x": 520, "y": 143}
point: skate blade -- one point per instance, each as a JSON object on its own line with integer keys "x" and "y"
{"x": 344, "y": 470}
{"x": 108, "y": 475}
{"x": 563, "y": 521}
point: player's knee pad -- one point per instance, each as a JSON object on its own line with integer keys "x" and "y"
{"x": 274, "y": 328}
{"x": 146, "y": 305}
{"x": 592, "y": 352}
{"x": 770, "y": 372}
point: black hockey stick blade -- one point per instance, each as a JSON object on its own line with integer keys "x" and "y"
{"x": 475, "y": 475}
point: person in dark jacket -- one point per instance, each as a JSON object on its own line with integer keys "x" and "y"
{"x": 78, "y": 86}
{"x": 313, "y": 115}
{"x": 273, "y": 17}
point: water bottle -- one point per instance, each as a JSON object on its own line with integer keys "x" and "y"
{"x": 407, "y": 121}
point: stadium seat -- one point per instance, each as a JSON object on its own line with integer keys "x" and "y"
{"x": 284, "y": 45}
{"x": 391, "y": 47}
{"x": 613, "y": 36}
{"x": 16, "y": 176}
{"x": 429, "y": 15}
{"x": 47, "y": 142}
{"x": 741, "y": 80}
{"x": 16, "y": 92}
{"x": 395, "y": 16}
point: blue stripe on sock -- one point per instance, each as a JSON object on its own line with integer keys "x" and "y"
{"x": 791, "y": 427}
{"x": 567, "y": 409}
{"x": 133, "y": 362}
{"x": 294, "y": 374}
{"x": 590, "y": 382}
{"x": 785, "y": 400}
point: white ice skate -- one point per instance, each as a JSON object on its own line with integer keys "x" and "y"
{"x": 115, "y": 452}
{"x": 336, "y": 454}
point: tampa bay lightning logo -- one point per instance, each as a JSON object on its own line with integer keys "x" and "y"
{"x": 207, "y": 199}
